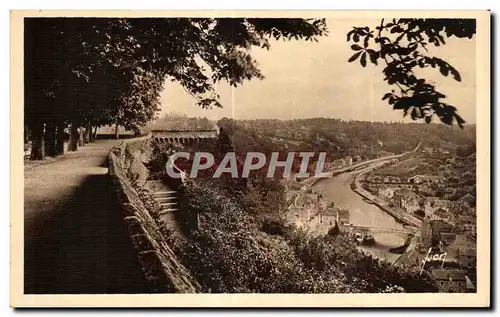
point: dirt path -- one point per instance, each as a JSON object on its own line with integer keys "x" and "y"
{"x": 75, "y": 238}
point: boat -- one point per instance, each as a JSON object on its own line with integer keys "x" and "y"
{"x": 358, "y": 237}
{"x": 368, "y": 239}
{"x": 346, "y": 224}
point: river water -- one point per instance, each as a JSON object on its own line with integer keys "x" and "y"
{"x": 338, "y": 190}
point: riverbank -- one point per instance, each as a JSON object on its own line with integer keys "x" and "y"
{"x": 311, "y": 181}
{"x": 368, "y": 197}
{"x": 404, "y": 218}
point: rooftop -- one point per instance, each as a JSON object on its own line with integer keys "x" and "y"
{"x": 449, "y": 274}
{"x": 456, "y": 275}
{"x": 436, "y": 201}
{"x": 426, "y": 177}
{"x": 343, "y": 212}
{"x": 469, "y": 283}
{"x": 440, "y": 274}
{"x": 467, "y": 198}
{"x": 467, "y": 252}
{"x": 330, "y": 211}
{"x": 406, "y": 192}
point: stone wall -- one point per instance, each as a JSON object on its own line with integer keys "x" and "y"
{"x": 161, "y": 267}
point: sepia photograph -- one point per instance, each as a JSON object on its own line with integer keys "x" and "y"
{"x": 244, "y": 159}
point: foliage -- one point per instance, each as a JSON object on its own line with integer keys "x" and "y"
{"x": 111, "y": 70}
{"x": 401, "y": 45}
{"x": 340, "y": 138}
{"x": 229, "y": 253}
{"x": 238, "y": 241}
{"x": 173, "y": 121}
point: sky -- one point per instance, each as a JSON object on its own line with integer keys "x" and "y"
{"x": 313, "y": 79}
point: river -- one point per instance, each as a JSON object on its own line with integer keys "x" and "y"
{"x": 338, "y": 190}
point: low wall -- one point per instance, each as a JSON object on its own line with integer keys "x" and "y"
{"x": 161, "y": 268}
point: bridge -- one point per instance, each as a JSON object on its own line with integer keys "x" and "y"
{"x": 363, "y": 229}
{"x": 185, "y": 136}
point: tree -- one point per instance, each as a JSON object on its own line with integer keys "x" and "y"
{"x": 401, "y": 45}
{"x": 97, "y": 71}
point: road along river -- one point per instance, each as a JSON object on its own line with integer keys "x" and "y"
{"x": 338, "y": 190}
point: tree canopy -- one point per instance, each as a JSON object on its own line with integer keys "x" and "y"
{"x": 401, "y": 45}
{"x": 102, "y": 71}
{"x": 127, "y": 60}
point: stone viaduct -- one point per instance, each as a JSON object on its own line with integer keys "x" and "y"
{"x": 185, "y": 136}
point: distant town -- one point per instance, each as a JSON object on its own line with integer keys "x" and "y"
{"x": 433, "y": 186}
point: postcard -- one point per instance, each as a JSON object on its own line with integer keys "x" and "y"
{"x": 250, "y": 159}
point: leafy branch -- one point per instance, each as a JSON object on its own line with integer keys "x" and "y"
{"x": 402, "y": 46}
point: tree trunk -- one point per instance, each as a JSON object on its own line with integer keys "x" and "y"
{"x": 117, "y": 133}
{"x": 86, "y": 136}
{"x": 26, "y": 134}
{"x": 50, "y": 140}
{"x": 95, "y": 133}
{"x": 80, "y": 137}
{"x": 60, "y": 139}
{"x": 73, "y": 138}
{"x": 91, "y": 133}
{"x": 37, "y": 146}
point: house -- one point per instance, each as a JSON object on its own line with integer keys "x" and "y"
{"x": 406, "y": 199}
{"x": 429, "y": 179}
{"x": 307, "y": 199}
{"x": 425, "y": 190}
{"x": 344, "y": 215}
{"x": 348, "y": 160}
{"x": 432, "y": 204}
{"x": 437, "y": 228}
{"x": 333, "y": 214}
{"x": 385, "y": 192}
{"x": 339, "y": 163}
{"x": 450, "y": 280}
{"x": 470, "y": 227}
{"x": 432, "y": 232}
{"x": 294, "y": 214}
{"x": 395, "y": 179}
{"x": 468, "y": 199}
{"x": 467, "y": 258}
{"x": 428, "y": 150}
{"x": 328, "y": 217}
